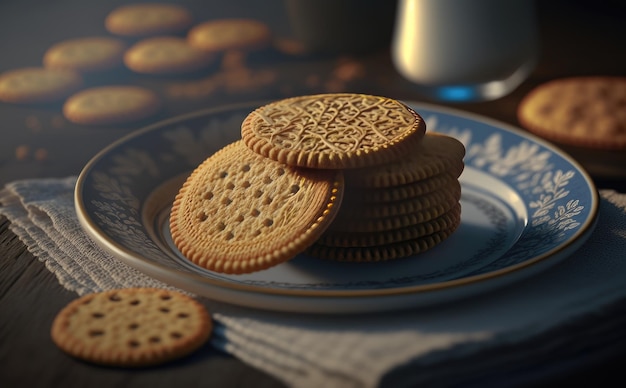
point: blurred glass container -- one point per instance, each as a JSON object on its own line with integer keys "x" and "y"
{"x": 465, "y": 50}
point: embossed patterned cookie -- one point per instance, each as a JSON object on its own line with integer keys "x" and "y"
{"x": 335, "y": 131}
{"x": 132, "y": 327}
{"x": 111, "y": 105}
{"x": 166, "y": 55}
{"x": 149, "y": 19}
{"x": 230, "y": 34}
{"x": 86, "y": 55}
{"x": 38, "y": 85}
{"x": 579, "y": 111}
{"x": 239, "y": 212}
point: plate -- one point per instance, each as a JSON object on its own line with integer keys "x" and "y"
{"x": 525, "y": 206}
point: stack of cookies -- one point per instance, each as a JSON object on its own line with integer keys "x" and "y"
{"x": 348, "y": 177}
{"x": 400, "y": 208}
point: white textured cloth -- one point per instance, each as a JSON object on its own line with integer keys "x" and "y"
{"x": 358, "y": 351}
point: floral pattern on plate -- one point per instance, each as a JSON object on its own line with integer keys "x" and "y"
{"x": 551, "y": 197}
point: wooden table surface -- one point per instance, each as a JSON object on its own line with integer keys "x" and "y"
{"x": 577, "y": 37}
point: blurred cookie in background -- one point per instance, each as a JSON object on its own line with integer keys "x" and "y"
{"x": 110, "y": 105}
{"x": 586, "y": 116}
{"x": 86, "y": 55}
{"x": 166, "y": 55}
{"x": 38, "y": 85}
{"x": 149, "y": 19}
{"x": 230, "y": 34}
{"x": 581, "y": 111}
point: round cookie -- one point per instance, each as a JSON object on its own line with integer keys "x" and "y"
{"x": 352, "y": 221}
{"x": 360, "y": 208}
{"x": 108, "y": 105}
{"x": 334, "y": 131}
{"x": 449, "y": 219}
{"x": 384, "y": 252}
{"x": 166, "y": 55}
{"x": 149, "y": 19}
{"x": 38, "y": 85}
{"x": 132, "y": 327}
{"x": 85, "y": 55}
{"x": 230, "y": 34}
{"x": 239, "y": 212}
{"x": 400, "y": 192}
{"x": 578, "y": 111}
{"x": 434, "y": 155}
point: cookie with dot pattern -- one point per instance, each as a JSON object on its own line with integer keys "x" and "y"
{"x": 132, "y": 327}
{"x": 239, "y": 212}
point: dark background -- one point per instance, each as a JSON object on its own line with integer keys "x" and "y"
{"x": 580, "y": 37}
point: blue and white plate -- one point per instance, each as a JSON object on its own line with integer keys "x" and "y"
{"x": 525, "y": 206}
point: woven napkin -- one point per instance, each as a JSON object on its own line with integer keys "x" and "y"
{"x": 468, "y": 337}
